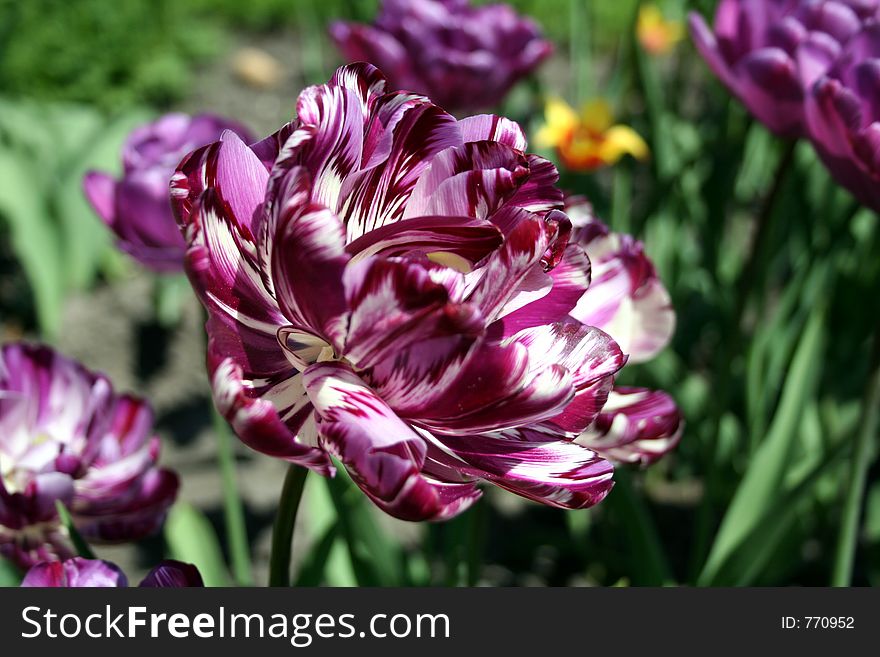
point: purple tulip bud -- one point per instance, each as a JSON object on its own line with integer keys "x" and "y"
{"x": 66, "y": 436}
{"x": 136, "y": 207}
{"x": 462, "y": 57}
{"x": 769, "y": 53}
{"x": 77, "y": 572}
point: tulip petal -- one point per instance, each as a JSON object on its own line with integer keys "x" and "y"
{"x": 394, "y": 303}
{"x": 75, "y": 572}
{"x": 489, "y": 127}
{"x": 570, "y": 280}
{"x": 308, "y": 258}
{"x": 635, "y": 426}
{"x": 100, "y": 190}
{"x": 507, "y": 268}
{"x": 532, "y": 463}
{"x": 173, "y": 574}
{"x": 468, "y": 239}
{"x": 270, "y": 418}
{"x": 382, "y": 454}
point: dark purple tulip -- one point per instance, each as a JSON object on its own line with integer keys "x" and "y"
{"x": 462, "y": 57}
{"x": 136, "y": 207}
{"x": 66, "y": 436}
{"x": 843, "y": 116}
{"x": 769, "y": 53}
{"x": 378, "y": 278}
{"x": 77, "y": 572}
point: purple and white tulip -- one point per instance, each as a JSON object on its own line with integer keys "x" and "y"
{"x": 769, "y": 53}
{"x": 462, "y": 57}
{"x": 636, "y": 426}
{"x": 371, "y": 273}
{"x": 77, "y": 572}
{"x": 66, "y": 436}
{"x": 627, "y": 300}
{"x": 136, "y": 206}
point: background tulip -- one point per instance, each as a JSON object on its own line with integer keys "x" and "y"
{"x": 135, "y": 207}
{"x": 77, "y": 572}
{"x": 843, "y": 116}
{"x": 462, "y": 57}
{"x": 65, "y": 436}
{"x": 770, "y": 52}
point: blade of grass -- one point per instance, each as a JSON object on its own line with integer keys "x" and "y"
{"x": 10, "y": 575}
{"x": 858, "y": 476}
{"x": 375, "y": 559}
{"x": 312, "y": 571}
{"x": 191, "y": 538}
{"x": 746, "y": 563}
{"x": 233, "y": 509}
{"x": 649, "y": 565}
{"x": 79, "y": 543}
{"x": 765, "y": 475}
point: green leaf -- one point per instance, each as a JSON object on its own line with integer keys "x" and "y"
{"x": 649, "y": 565}
{"x": 377, "y": 561}
{"x": 79, "y": 543}
{"x": 34, "y": 236}
{"x": 10, "y": 575}
{"x": 312, "y": 570}
{"x": 766, "y": 472}
{"x": 744, "y": 565}
{"x": 191, "y": 538}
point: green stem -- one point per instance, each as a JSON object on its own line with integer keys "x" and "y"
{"x": 748, "y": 277}
{"x": 285, "y": 520}
{"x": 861, "y": 461}
{"x": 233, "y": 510}
{"x": 579, "y": 49}
{"x": 478, "y": 521}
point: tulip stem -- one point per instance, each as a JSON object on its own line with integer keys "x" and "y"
{"x": 285, "y": 520}
{"x": 861, "y": 461}
{"x": 748, "y": 277}
{"x": 233, "y": 511}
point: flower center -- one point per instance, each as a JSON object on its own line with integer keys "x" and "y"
{"x": 8, "y": 474}
{"x": 303, "y": 349}
{"x": 15, "y": 476}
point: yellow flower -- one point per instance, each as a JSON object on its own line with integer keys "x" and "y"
{"x": 588, "y": 140}
{"x": 657, "y": 35}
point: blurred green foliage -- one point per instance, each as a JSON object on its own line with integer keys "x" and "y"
{"x": 770, "y": 384}
{"x": 108, "y": 54}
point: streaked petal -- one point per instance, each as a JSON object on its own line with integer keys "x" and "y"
{"x": 463, "y": 237}
{"x": 268, "y": 417}
{"x": 570, "y": 280}
{"x": 635, "y": 426}
{"x": 308, "y": 258}
{"x": 489, "y": 127}
{"x": 396, "y": 302}
{"x": 75, "y": 572}
{"x": 533, "y": 463}
{"x": 382, "y": 453}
